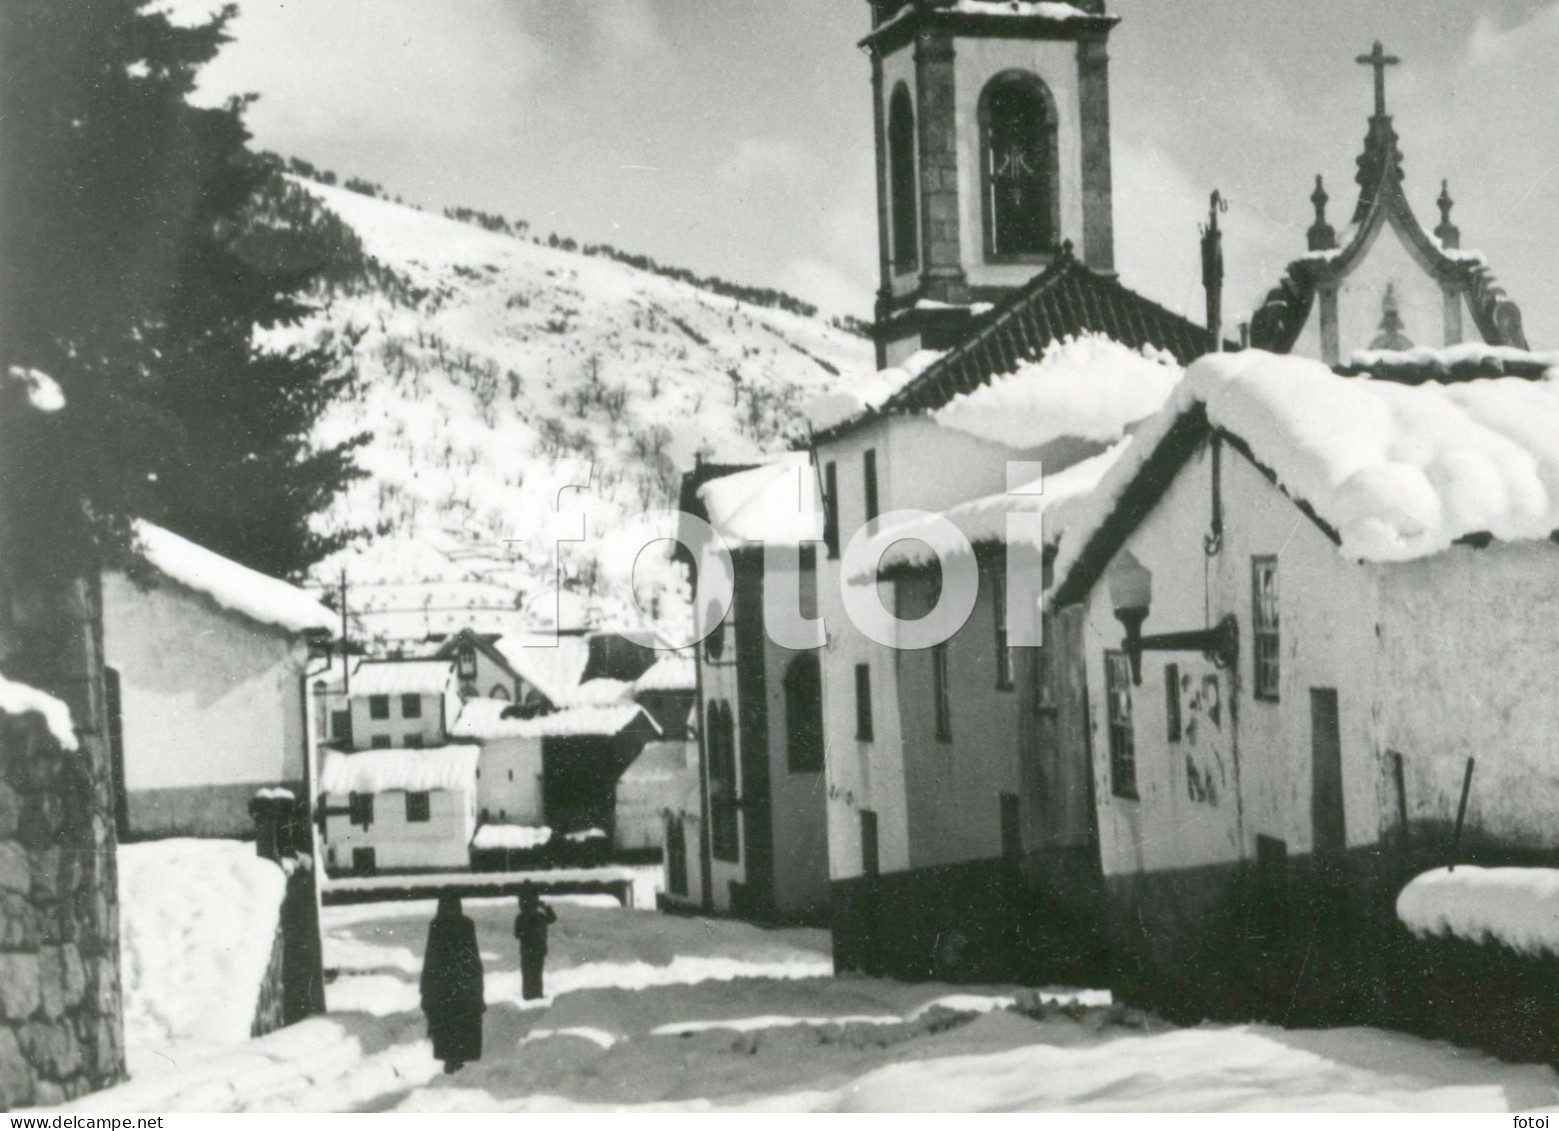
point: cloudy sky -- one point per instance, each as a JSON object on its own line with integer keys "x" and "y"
{"x": 734, "y": 136}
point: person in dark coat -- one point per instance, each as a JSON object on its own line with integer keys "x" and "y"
{"x": 530, "y": 927}
{"x": 452, "y": 991}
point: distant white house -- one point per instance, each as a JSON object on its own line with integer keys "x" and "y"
{"x": 208, "y": 667}
{"x": 399, "y": 810}
{"x": 558, "y": 769}
{"x": 398, "y": 703}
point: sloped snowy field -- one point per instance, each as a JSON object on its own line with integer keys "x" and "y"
{"x": 660, "y": 1012}
{"x": 504, "y": 358}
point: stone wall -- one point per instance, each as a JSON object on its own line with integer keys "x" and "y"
{"x": 61, "y": 1020}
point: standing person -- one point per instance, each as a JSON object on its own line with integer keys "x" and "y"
{"x": 452, "y": 994}
{"x": 530, "y": 927}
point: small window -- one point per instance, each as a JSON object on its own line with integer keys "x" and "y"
{"x": 341, "y": 725}
{"x": 363, "y": 862}
{"x": 871, "y": 865}
{"x": 1172, "y": 701}
{"x": 676, "y": 857}
{"x": 941, "y": 693}
{"x": 998, "y": 582}
{"x": 419, "y": 807}
{"x": 831, "y": 508}
{"x": 1264, "y": 589}
{"x": 870, "y": 462}
{"x": 1011, "y": 827}
{"x": 863, "y": 702}
{"x": 379, "y": 742}
{"x": 378, "y": 706}
{"x": 466, "y": 662}
{"x": 1123, "y": 755}
{"x": 360, "y": 809}
{"x": 498, "y": 691}
{"x": 411, "y": 706}
{"x": 414, "y": 741}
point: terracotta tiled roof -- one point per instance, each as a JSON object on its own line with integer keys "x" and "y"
{"x": 1065, "y": 300}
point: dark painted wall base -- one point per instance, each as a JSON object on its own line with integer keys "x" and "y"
{"x": 976, "y": 922}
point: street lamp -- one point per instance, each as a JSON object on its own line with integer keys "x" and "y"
{"x": 1131, "y": 593}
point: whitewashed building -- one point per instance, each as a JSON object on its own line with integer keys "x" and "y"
{"x": 208, "y": 676}
{"x": 1319, "y": 573}
{"x": 399, "y": 810}
{"x": 400, "y": 703}
{"x": 557, "y": 770}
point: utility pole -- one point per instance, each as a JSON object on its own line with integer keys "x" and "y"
{"x": 346, "y": 655}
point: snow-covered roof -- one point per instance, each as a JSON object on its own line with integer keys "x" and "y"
{"x": 233, "y": 586}
{"x": 662, "y": 761}
{"x": 413, "y": 770}
{"x": 551, "y": 664}
{"x": 21, "y": 699}
{"x": 674, "y": 671}
{"x": 777, "y": 503}
{"x": 483, "y": 720}
{"x": 1516, "y": 907}
{"x": 511, "y": 837}
{"x": 867, "y": 393}
{"x": 1089, "y": 387}
{"x": 1396, "y": 471}
{"x": 402, "y": 677}
{"x": 1046, "y": 11}
{"x": 1454, "y": 363}
{"x": 597, "y": 692}
{"x": 921, "y": 541}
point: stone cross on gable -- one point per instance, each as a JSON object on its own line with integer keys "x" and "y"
{"x": 1378, "y": 59}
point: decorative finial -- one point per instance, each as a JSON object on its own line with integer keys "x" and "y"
{"x": 1323, "y": 237}
{"x": 1378, "y": 59}
{"x": 1449, "y": 235}
{"x": 1212, "y": 269}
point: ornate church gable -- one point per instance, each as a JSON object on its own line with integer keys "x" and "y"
{"x": 1384, "y": 279}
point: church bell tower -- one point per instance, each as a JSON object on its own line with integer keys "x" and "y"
{"x": 993, "y": 156}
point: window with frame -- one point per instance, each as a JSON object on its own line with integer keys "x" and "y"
{"x": 724, "y": 825}
{"x": 1264, "y": 621}
{"x": 378, "y": 706}
{"x": 804, "y": 714}
{"x": 863, "y": 702}
{"x": 1020, "y": 171}
{"x": 411, "y": 706}
{"x": 903, "y": 222}
{"x": 831, "y": 508}
{"x": 869, "y": 470}
{"x": 419, "y": 807}
{"x": 360, "y": 809}
{"x": 941, "y": 693}
{"x": 379, "y": 742}
{"x": 341, "y": 725}
{"x": 997, "y": 579}
{"x": 1123, "y": 753}
{"x": 363, "y": 861}
{"x": 414, "y": 742}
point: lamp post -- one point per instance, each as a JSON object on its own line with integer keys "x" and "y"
{"x": 1131, "y": 593}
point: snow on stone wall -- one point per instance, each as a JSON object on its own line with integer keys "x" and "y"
{"x": 1515, "y": 907}
{"x": 198, "y": 921}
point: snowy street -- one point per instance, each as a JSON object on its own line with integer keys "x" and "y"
{"x": 686, "y": 1013}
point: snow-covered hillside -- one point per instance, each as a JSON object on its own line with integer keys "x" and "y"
{"x": 495, "y": 371}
